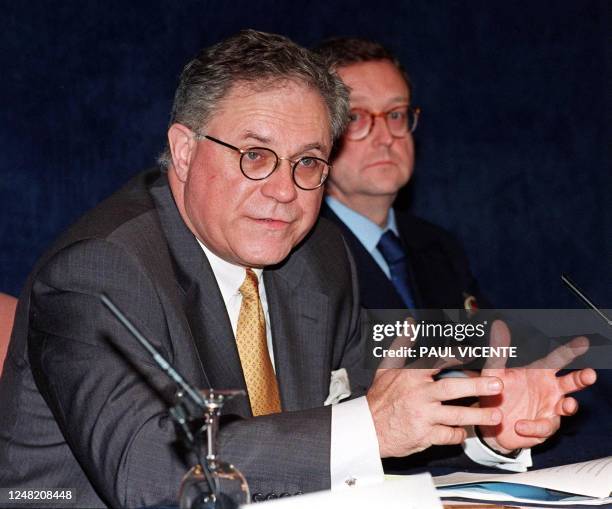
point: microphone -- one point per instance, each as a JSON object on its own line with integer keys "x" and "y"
{"x": 159, "y": 359}
{"x": 572, "y": 286}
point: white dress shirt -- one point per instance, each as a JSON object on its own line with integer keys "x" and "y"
{"x": 354, "y": 453}
{"x": 351, "y": 421}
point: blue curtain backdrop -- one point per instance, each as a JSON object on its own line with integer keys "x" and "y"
{"x": 513, "y": 147}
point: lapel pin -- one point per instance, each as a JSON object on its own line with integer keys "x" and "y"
{"x": 470, "y": 305}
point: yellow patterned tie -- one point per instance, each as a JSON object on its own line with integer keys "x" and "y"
{"x": 253, "y": 350}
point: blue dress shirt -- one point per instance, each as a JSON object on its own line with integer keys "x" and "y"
{"x": 365, "y": 230}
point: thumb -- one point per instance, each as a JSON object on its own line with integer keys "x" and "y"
{"x": 499, "y": 336}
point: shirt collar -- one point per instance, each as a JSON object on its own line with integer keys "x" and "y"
{"x": 229, "y": 276}
{"x": 367, "y": 231}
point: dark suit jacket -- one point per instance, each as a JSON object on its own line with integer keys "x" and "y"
{"x": 82, "y": 403}
{"x": 440, "y": 278}
{"x": 439, "y": 269}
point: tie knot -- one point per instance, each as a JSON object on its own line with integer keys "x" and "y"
{"x": 391, "y": 247}
{"x": 249, "y": 287}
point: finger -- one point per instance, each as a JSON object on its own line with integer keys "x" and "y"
{"x": 454, "y": 388}
{"x": 566, "y": 406}
{"x": 423, "y": 366}
{"x": 499, "y": 336}
{"x": 434, "y": 366}
{"x": 448, "y": 363}
{"x": 451, "y": 415}
{"x": 577, "y": 380}
{"x": 447, "y": 435}
{"x": 384, "y": 378}
{"x": 537, "y": 428}
{"x": 392, "y": 362}
{"x": 563, "y": 355}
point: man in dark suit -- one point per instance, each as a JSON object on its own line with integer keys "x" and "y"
{"x": 373, "y": 162}
{"x": 402, "y": 261}
{"x": 216, "y": 260}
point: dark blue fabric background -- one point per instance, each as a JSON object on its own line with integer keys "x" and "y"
{"x": 513, "y": 147}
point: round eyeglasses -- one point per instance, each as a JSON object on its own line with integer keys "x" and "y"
{"x": 258, "y": 163}
{"x": 400, "y": 121}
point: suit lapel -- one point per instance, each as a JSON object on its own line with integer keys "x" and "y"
{"x": 297, "y": 316}
{"x": 375, "y": 288}
{"x": 204, "y": 308}
{"x": 298, "y": 319}
{"x": 431, "y": 266}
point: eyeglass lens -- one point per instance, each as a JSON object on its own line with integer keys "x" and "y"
{"x": 399, "y": 122}
{"x": 257, "y": 163}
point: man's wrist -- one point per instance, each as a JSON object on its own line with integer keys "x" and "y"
{"x": 482, "y": 454}
{"x": 495, "y": 447}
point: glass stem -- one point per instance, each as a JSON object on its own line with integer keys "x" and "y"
{"x": 211, "y": 435}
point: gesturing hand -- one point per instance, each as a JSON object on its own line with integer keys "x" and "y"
{"x": 534, "y": 397}
{"x": 408, "y": 414}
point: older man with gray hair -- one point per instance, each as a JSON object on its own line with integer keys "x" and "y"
{"x": 218, "y": 261}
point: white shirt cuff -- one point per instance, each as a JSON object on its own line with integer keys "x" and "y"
{"x": 354, "y": 455}
{"x": 481, "y": 454}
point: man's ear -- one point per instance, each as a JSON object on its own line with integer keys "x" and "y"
{"x": 182, "y": 146}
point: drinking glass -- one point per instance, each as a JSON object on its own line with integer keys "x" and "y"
{"x": 215, "y": 484}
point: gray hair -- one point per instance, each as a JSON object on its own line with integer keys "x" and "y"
{"x": 261, "y": 60}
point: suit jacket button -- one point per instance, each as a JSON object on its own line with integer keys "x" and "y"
{"x": 284, "y": 495}
{"x": 271, "y": 496}
{"x": 258, "y": 497}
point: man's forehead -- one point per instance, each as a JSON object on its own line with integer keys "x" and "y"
{"x": 361, "y": 97}
{"x": 257, "y": 109}
{"x": 377, "y": 81}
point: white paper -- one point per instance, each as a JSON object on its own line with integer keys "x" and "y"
{"x": 493, "y": 496}
{"x": 409, "y": 492}
{"x": 589, "y": 478}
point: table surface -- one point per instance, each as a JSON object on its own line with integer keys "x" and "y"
{"x": 454, "y": 505}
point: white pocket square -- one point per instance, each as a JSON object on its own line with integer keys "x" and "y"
{"x": 339, "y": 387}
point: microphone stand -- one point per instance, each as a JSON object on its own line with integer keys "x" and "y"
{"x": 189, "y": 406}
{"x": 580, "y": 294}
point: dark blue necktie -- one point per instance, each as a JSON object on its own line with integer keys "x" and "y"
{"x": 393, "y": 252}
